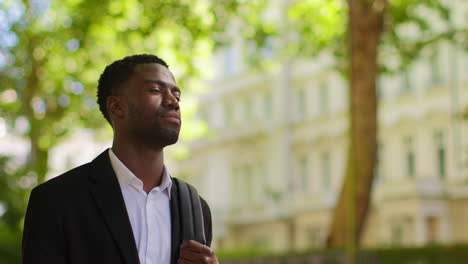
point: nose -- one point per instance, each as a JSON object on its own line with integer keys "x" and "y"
{"x": 170, "y": 101}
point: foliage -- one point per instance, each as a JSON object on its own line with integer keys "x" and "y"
{"x": 452, "y": 254}
{"x": 431, "y": 254}
{"x": 51, "y": 55}
{"x": 14, "y": 186}
{"x": 414, "y": 27}
{"x": 255, "y": 253}
{"x": 247, "y": 253}
{"x": 52, "y": 52}
{"x": 312, "y": 28}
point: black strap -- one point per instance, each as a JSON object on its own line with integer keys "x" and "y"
{"x": 191, "y": 213}
{"x": 199, "y": 227}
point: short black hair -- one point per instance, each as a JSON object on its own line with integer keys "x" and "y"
{"x": 118, "y": 72}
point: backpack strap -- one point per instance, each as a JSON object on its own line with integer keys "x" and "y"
{"x": 190, "y": 212}
{"x": 198, "y": 221}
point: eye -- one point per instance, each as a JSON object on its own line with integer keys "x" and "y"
{"x": 155, "y": 90}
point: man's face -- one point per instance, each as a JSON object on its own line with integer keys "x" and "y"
{"x": 152, "y": 100}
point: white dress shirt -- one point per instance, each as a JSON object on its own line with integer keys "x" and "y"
{"x": 149, "y": 214}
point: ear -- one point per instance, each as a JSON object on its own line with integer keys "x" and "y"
{"x": 116, "y": 107}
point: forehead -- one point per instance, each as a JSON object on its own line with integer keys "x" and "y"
{"x": 154, "y": 71}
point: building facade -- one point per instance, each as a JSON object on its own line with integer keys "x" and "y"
{"x": 272, "y": 164}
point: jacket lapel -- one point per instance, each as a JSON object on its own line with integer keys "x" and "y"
{"x": 175, "y": 222}
{"x": 106, "y": 191}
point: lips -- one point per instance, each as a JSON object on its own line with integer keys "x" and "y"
{"x": 171, "y": 117}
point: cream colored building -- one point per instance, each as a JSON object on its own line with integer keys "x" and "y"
{"x": 272, "y": 164}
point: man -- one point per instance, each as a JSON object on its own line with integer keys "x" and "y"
{"x": 122, "y": 207}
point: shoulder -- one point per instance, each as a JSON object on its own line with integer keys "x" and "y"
{"x": 64, "y": 184}
{"x": 75, "y": 179}
{"x": 49, "y": 199}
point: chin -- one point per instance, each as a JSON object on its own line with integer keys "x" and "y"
{"x": 166, "y": 137}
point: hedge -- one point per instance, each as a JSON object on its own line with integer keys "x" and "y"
{"x": 437, "y": 254}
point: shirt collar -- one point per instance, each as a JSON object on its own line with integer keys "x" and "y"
{"x": 126, "y": 177}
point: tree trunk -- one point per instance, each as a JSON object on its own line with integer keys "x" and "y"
{"x": 39, "y": 156}
{"x": 365, "y": 27}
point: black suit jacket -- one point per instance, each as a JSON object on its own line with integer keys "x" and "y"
{"x": 80, "y": 217}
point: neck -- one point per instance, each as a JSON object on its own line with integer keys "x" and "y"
{"x": 146, "y": 163}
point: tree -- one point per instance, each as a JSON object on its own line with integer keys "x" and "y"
{"x": 369, "y": 20}
{"x": 58, "y": 49}
{"x": 356, "y": 32}
{"x": 366, "y": 21}
{"x": 51, "y": 54}
{"x": 12, "y": 206}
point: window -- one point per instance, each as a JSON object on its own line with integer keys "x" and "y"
{"x": 378, "y": 170}
{"x": 237, "y": 179}
{"x": 268, "y": 51}
{"x": 397, "y": 234}
{"x": 432, "y": 229}
{"x": 303, "y": 173}
{"x": 326, "y": 170}
{"x": 435, "y": 68}
{"x": 410, "y": 157}
{"x": 315, "y": 236}
{"x": 262, "y": 178}
{"x": 441, "y": 155}
{"x": 247, "y": 108}
{"x": 291, "y": 182}
{"x": 301, "y": 103}
{"x": 249, "y": 50}
{"x": 230, "y": 60}
{"x": 323, "y": 95}
{"x": 261, "y": 242}
{"x": 406, "y": 82}
{"x": 380, "y": 89}
{"x": 244, "y": 185}
{"x": 205, "y": 115}
{"x": 249, "y": 189}
{"x": 228, "y": 114}
{"x": 268, "y": 103}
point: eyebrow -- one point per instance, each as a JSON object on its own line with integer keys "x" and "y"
{"x": 163, "y": 83}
